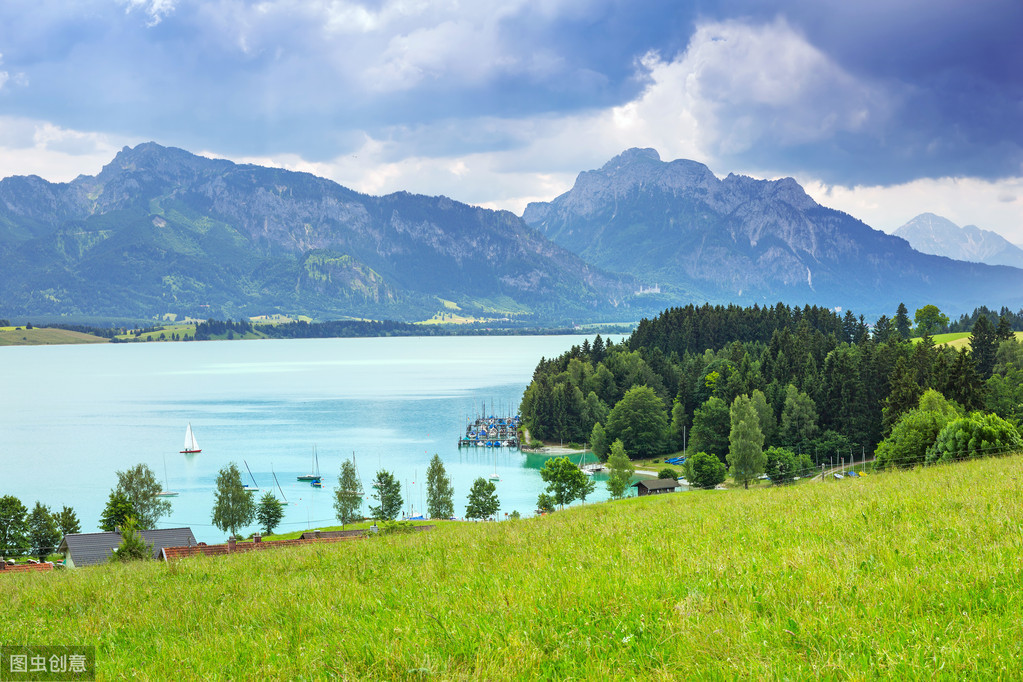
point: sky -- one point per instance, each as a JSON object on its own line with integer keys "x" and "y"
{"x": 881, "y": 109}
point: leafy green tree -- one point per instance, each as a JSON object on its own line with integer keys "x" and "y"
{"x": 916, "y": 431}
{"x": 439, "y": 491}
{"x": 14, "y": 531}
{"x": 704, "y": 470}
{"x": 132, "y": 547}
{"x": 667, "y": 472}
{"x": 745, "y": 442}
{"x": 782, "y": 465}
{"x": 598, "y": 442}
{"x": 119, "y": 508}
{"x": 140, "y": 485}
{"x": 564, "y": 480}
{"x": 677, "y": 427}
{"x": 348, "y": 494}
{"x": 233, "y": 507}
{"x": 587, "y": 488}
{"x": 269, "y": 512}
{"x": 482, "y": 500}
{"x": 387, "y": 495}
{"x": 67, "y": 521}
{"x": 765, "y": 414}
{"x": 798, "y": 417}
{"x": 975, "y": 435}
{"x": 710, "y": 428}
{"x": 595, "y": 411}
{"x": 984, "y": 345}
{"x": 544, "y": 503}
{"x": 930, "y": 320}
{"x": 621, "y": 470}
{"x": 639, "y": 421}
{"x": 902, "y": 324}
{"x": 43, "y": 532}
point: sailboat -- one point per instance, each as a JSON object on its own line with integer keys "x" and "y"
{"x": 191, "y": 444}
{"x": 255, "y": 486}
{"x": 494, "y": 476}
{"x": 166, "y": 492}
{"x": 315, "y": 476}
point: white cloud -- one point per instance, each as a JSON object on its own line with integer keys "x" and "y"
{"x": 995, "y": 205}
{"x": 29, "y": 147}
{"x": 156, "y": 10}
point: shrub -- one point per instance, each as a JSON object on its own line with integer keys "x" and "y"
{"x": 705, "y": 471}
{"x": 976, "y": 435}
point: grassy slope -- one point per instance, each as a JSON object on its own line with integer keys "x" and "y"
{"x": 897, "y": 575}
{"x": 10, "y": 336}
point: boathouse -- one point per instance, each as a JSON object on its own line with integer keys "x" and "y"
{"x": 656, "y": 486}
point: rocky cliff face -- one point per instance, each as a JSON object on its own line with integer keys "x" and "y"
{"x": 743, "y": 240}
{"x": 929, "y": 233}
{"x": 162, "y": 230}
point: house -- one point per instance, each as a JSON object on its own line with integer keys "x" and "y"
{"x": 656, "y": 486}
{"x": 88, "y": 549}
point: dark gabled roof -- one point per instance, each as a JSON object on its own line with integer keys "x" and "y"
{"x": 88, "y": 549}
{"x": 657, "y": 484}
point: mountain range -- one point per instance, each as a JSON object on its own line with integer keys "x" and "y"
{"x": 737, "y": 239}
{"x": 929, "y": 233}
{"x": 160, "y": 230}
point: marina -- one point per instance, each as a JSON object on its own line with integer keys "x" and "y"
{"x": 491, "y": 431}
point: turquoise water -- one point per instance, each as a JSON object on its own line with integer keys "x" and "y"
{"x": 71, "y": 416}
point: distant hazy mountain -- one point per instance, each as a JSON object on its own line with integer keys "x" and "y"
{"x": 929, "y": 233}
{"x": 162, "y": 230}
{"x": 744, "y": 240}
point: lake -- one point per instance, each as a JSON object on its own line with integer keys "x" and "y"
{"x": 74, "y": 415}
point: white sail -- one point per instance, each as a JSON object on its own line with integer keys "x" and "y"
{"x": 191, "y": 444}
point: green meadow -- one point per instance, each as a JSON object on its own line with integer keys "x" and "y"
{"x": 904, "y": 575}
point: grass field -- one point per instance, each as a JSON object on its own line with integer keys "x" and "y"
{"x": 903, "y": 575}
{"x": 13, "y": 336}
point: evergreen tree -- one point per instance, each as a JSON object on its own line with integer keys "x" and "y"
{"x": 67, "y": 521}
{"x": 883, "y": 329}
{"x": 621, "y": 470}
{"x": 43, "y": 532}
{"x": 983, "y": 345}
{"x": 798, "y": 417}
{"x": 903, "y": 395}
{"x": 132, "y": 547}
{"x": 233, "y": 507}
{"x": 269, "y": 512}
{"x": 348, "y": 494}
{"x": 117, "y": 511}
{"x": 439, "y": 492}
{"x": 388, "y": 496}
{"x": 745, "y": 442}
{"x": 902, "y": 324}
{"x": 482, "y": 500}
{"x": 14, "y": 531}
{"x": 1004, "y": 331}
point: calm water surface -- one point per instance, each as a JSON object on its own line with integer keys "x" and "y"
{"x": 71, "y": 416}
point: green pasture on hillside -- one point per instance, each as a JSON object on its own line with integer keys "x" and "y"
{"x": 904, "y": 575}
{"x": 19, "y": 336}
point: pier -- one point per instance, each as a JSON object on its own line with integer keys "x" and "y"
{"x": 491, "y": 431}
